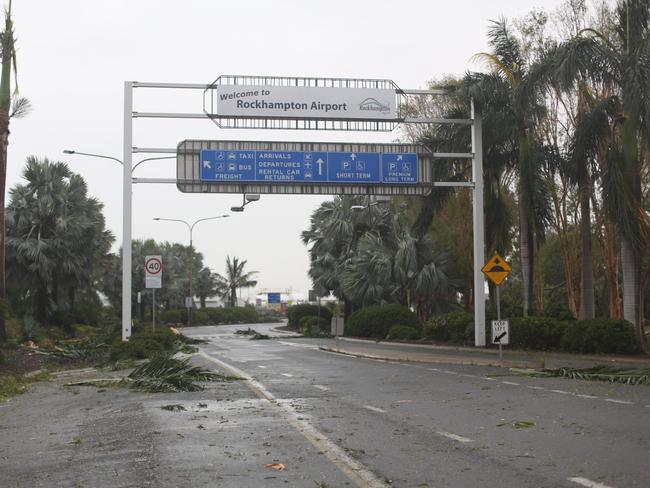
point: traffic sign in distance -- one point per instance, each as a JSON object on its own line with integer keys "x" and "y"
{"x": 500, "y": 332}
{"x": 497, "y": 269}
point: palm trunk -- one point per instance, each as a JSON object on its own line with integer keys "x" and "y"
{"x": 587, "y": 296}
{"x": 526, "y": 257}
{"x": 233, "y": 297}
{"x": 4, "y": 144}
{"x": 631, "y": 267}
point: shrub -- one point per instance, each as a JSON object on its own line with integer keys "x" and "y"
{"x": 143, "y": 343}
{"x": 174, "y": 316}
{"x": 540, "y": 333}
{"x": 600, "y": 336}
{"x": 235, "y": 315}
{"x": 375, "y": 322}
{"x": 200, "y": 317}
{"x": 454, "y": 327}
{"x": 311, "y": 325}
{"x": 296, "y": 312}
{"x": 404, "y": 332}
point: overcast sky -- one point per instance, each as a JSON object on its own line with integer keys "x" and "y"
{"x": 74, "y": 56}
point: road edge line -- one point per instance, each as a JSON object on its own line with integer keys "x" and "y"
{"x": 354, "y": 470}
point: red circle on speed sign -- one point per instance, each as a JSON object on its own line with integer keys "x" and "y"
{"x": 153, "y": 266}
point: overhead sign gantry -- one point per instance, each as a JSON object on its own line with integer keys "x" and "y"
{"x": 303, "y": 103}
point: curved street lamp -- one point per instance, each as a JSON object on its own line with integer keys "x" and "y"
{"x": 191, "y": 229}
{"x": 127, "y": 173}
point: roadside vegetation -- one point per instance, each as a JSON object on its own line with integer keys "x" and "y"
{"x": 565, "y": 99}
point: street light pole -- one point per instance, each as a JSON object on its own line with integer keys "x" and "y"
{"x": 127, "y": 198}
{"x": 190, "y": 264}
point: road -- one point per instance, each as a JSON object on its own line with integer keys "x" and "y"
{"x": 384, "y": 423}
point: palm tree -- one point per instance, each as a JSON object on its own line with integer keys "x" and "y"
{"x": 504, "y": 93}
{"x": 620, "y": 63}
{"x": 56, "y": 237}
{"x": 235, "y": 278}
{"x": 20, "y": 108}
{"x": 206, "y": 285}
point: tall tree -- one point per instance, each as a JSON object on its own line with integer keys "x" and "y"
{"x": 235, "y": 278}
{"x": 20, "y": 107}
{"x": 622, "y": 63}
{"x": 56, "y": 237}
{"x": 502, "y": 93}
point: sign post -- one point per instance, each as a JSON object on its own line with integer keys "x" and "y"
{"x": 153, "y": 279}
{"x": 497, "y": 270}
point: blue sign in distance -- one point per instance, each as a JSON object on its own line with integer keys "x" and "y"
{"x": 273, "y": 297}
{"x": 308, "y": 166}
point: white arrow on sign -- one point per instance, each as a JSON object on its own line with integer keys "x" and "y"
{"x": 320, "y": 162}
{"x": 353, "y": 156}
{"x": 206, "y": 164}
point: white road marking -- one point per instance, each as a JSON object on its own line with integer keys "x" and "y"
{"x": 535, "y": 387}
{"x": 433, "y": 369}
{"x": 287, "y": 375}
{"x": 374, "y": 409}
{"x": 468, "y": 375}
{"x": 263, "y": 367}
{"x": 511, "y": 383}
{"x": 583, "y": 395}
{"x": 560, "y": 391}
{"x": 449, "y": 372}
{"x": 295, "y": 344}
{"x": 622, "y": 402}
{"x": 322, "y": 388}
{"x": 353, "y": 469}
{"x": 454, "y": 437}
{"x": 588, "y": 483}
{"x": 488, "y": 378}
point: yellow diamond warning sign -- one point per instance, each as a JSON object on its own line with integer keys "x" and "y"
{"x": 497, "y": 269}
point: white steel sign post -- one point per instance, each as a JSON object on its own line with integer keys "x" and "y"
{"x": 153, "y": 279}
{"x": 304, "y": 103}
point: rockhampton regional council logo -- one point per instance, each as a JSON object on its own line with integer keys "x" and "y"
{"x": 373, "y": 105}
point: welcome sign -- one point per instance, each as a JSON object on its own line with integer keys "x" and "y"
{"x": 305, "y": 102}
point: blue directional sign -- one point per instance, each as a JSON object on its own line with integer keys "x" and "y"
{"x": 308, "y": 167}
{"x": 273, "y": 297}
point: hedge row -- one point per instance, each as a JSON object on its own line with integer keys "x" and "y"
{"x": 539, "y": 333}
{"x": 297, "y": 312}
{"x": 218, "y": 315}
{"x": 376, "y": 322}
{"x": 542, "y": 333}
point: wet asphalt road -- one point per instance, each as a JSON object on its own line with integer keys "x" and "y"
{"x": 420, "y": 425}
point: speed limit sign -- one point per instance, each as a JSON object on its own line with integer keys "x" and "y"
{"x": 153, "y": 271}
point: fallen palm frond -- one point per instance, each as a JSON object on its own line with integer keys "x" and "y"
{"x": 77, "y": 350}
{"x": 168, "y": 374}
{"x": 258, "y": 337}
{"x": 161, "y": 374}
{"x": 612, "y": 374}
{"x": 191, "y": 340}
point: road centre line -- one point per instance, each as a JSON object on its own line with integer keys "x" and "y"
{"x": 353, "y": 469}
{"x": 455, "y": 437}
{"x": 322, "y": 388}
{"x": 537, "y": 387}
{"x": 287, "y": 375}
{"x": 584, "y": 395}
{"x": 374, "y": 409}
{"x": 260, "y": 366}
{"x": 622, "y": 402}
{"x": 562, "y": 392}
{"x": 511, "y": 383}
{"x": 588, "y": 483}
